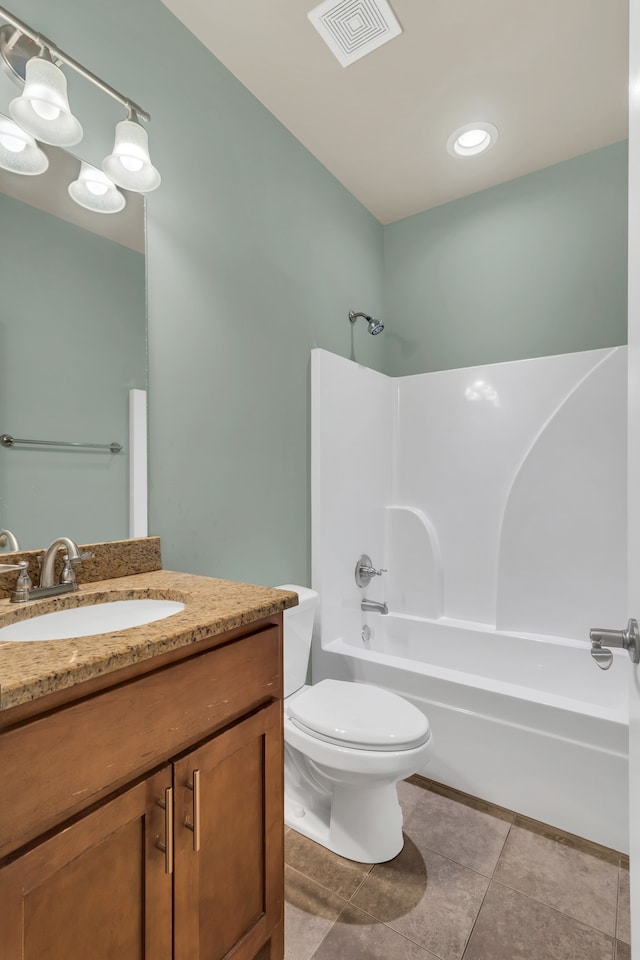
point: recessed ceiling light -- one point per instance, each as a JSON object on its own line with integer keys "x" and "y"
{"x": 471, "y": 139}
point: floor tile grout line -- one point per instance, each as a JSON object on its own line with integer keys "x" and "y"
{"x": 324, "y": 937}
{"x": 364, "y": 880}
{"x": 508, "y": 834}
{"x": 324, "y": 886}
{"x": 290, "y": 866}
{"x": 465, "y": 866}
{"x": 486, "y": 893}
{"x": 318, "y": 884}
{"x": 397, "y": 932}
{"x": 555, "y": 909}
{"x": 477, "y": 917}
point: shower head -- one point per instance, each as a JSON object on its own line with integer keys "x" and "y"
{"x": 375, "y": 326}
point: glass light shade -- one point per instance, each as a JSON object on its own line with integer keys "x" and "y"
{"x": 94, "y": 191}
{"x": 130, "y": 165}
{"x": 43, "y": 109}
{"x": 19, "y": 152}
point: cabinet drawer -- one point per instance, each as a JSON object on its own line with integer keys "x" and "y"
{"x": 56, "y": 766}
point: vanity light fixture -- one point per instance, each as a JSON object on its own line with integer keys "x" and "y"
{"x": 130, "y": 165}
{"x": 19, "y": 153}
{"x": 472, "y": 139}
{"x": 43, "y": 109}
{"x": 93, "y": 190}
{"x": 43, "y": 112}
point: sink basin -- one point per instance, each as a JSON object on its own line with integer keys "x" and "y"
{"x": 109, "y": 617}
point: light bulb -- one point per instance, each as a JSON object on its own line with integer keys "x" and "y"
{"x": 129, "y": 165}
{"x": 474, "y": 138}
{"x": 133, "y": 164}
{"x": 43, "y": 109}
{"x": 94, "y": 191}
{"x": 97, "y": 189}
{"x": 11, "y": 143}
{"x": 19, "y": 152}
{"x": 47, "y": 111}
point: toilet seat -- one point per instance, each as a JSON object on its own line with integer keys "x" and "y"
{"x": 358, "y": 716}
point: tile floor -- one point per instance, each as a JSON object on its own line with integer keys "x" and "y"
{"x": 470, "y": 883}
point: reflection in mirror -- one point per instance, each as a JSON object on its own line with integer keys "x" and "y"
{"x": 72, "y": 344}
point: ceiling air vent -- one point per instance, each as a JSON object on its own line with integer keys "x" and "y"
{"x": 353, "y": 28}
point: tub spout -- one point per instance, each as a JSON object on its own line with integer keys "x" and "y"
{"x": 374, "y": 606}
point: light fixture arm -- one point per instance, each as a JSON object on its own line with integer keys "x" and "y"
{"x": 57, "y": 54}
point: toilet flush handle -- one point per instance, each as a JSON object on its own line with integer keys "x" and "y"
{"x": 628, "y": 639}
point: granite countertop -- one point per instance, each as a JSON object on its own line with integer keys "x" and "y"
{"x": 29, "y": 670}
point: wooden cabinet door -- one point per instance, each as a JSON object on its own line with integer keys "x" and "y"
{"x": 228, "y": 892}
{"x": 96, "y": 890}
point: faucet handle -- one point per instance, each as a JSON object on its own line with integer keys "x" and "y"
{"x": 23, "y": 584}
{"x": 74, "y": 561}
{"x": 86, "y": 555}
{"x": 365, "y": 571}
{"x": 68, "y": 574}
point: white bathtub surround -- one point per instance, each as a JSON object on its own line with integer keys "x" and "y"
{"x": 566, "y": 507}
{"x": 496, "y": 498}
{"x": 352, "y": 416}
{"x": 414, "y": 558}
{"x": 493, "y": 494}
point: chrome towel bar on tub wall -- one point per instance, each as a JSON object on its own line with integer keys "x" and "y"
{"x": 8, "y": 441}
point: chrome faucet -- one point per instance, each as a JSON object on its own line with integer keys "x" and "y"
{"x": 374, "y": 606}
{"x": 48, "y": 587}
{"x": 8, "y": 539}
{"x": 73, "y": 556}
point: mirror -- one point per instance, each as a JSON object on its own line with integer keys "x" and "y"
{"x": 72, "y": 345}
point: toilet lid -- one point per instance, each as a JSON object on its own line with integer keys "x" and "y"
{"x": 359, "y": 715}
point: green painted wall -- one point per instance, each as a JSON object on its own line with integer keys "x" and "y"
{"x": 255, "y": 254}
{"x": 533, "y": 267}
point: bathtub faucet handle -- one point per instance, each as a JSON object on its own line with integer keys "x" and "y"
{"x": 365, "y": 571}
{"x": 628, "y": 639}
{"x": 372, "y": 572}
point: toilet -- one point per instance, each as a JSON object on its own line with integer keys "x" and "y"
{"x": 346, "y": 747}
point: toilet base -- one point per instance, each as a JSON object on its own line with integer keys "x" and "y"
{"x": 363, "y": 825}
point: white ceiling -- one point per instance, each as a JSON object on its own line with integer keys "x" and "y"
{"x": 552, "y": 75}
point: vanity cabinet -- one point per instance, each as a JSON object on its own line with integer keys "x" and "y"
{"x": 145, "y": 821}
{"x": 97, "y": 888}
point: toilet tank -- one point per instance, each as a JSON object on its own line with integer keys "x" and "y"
{"x": 298, "y": 630}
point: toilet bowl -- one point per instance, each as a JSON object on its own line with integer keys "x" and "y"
{"x": 346, "y": 747}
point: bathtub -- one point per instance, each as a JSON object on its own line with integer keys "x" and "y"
{"x": 529, "y": 723}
